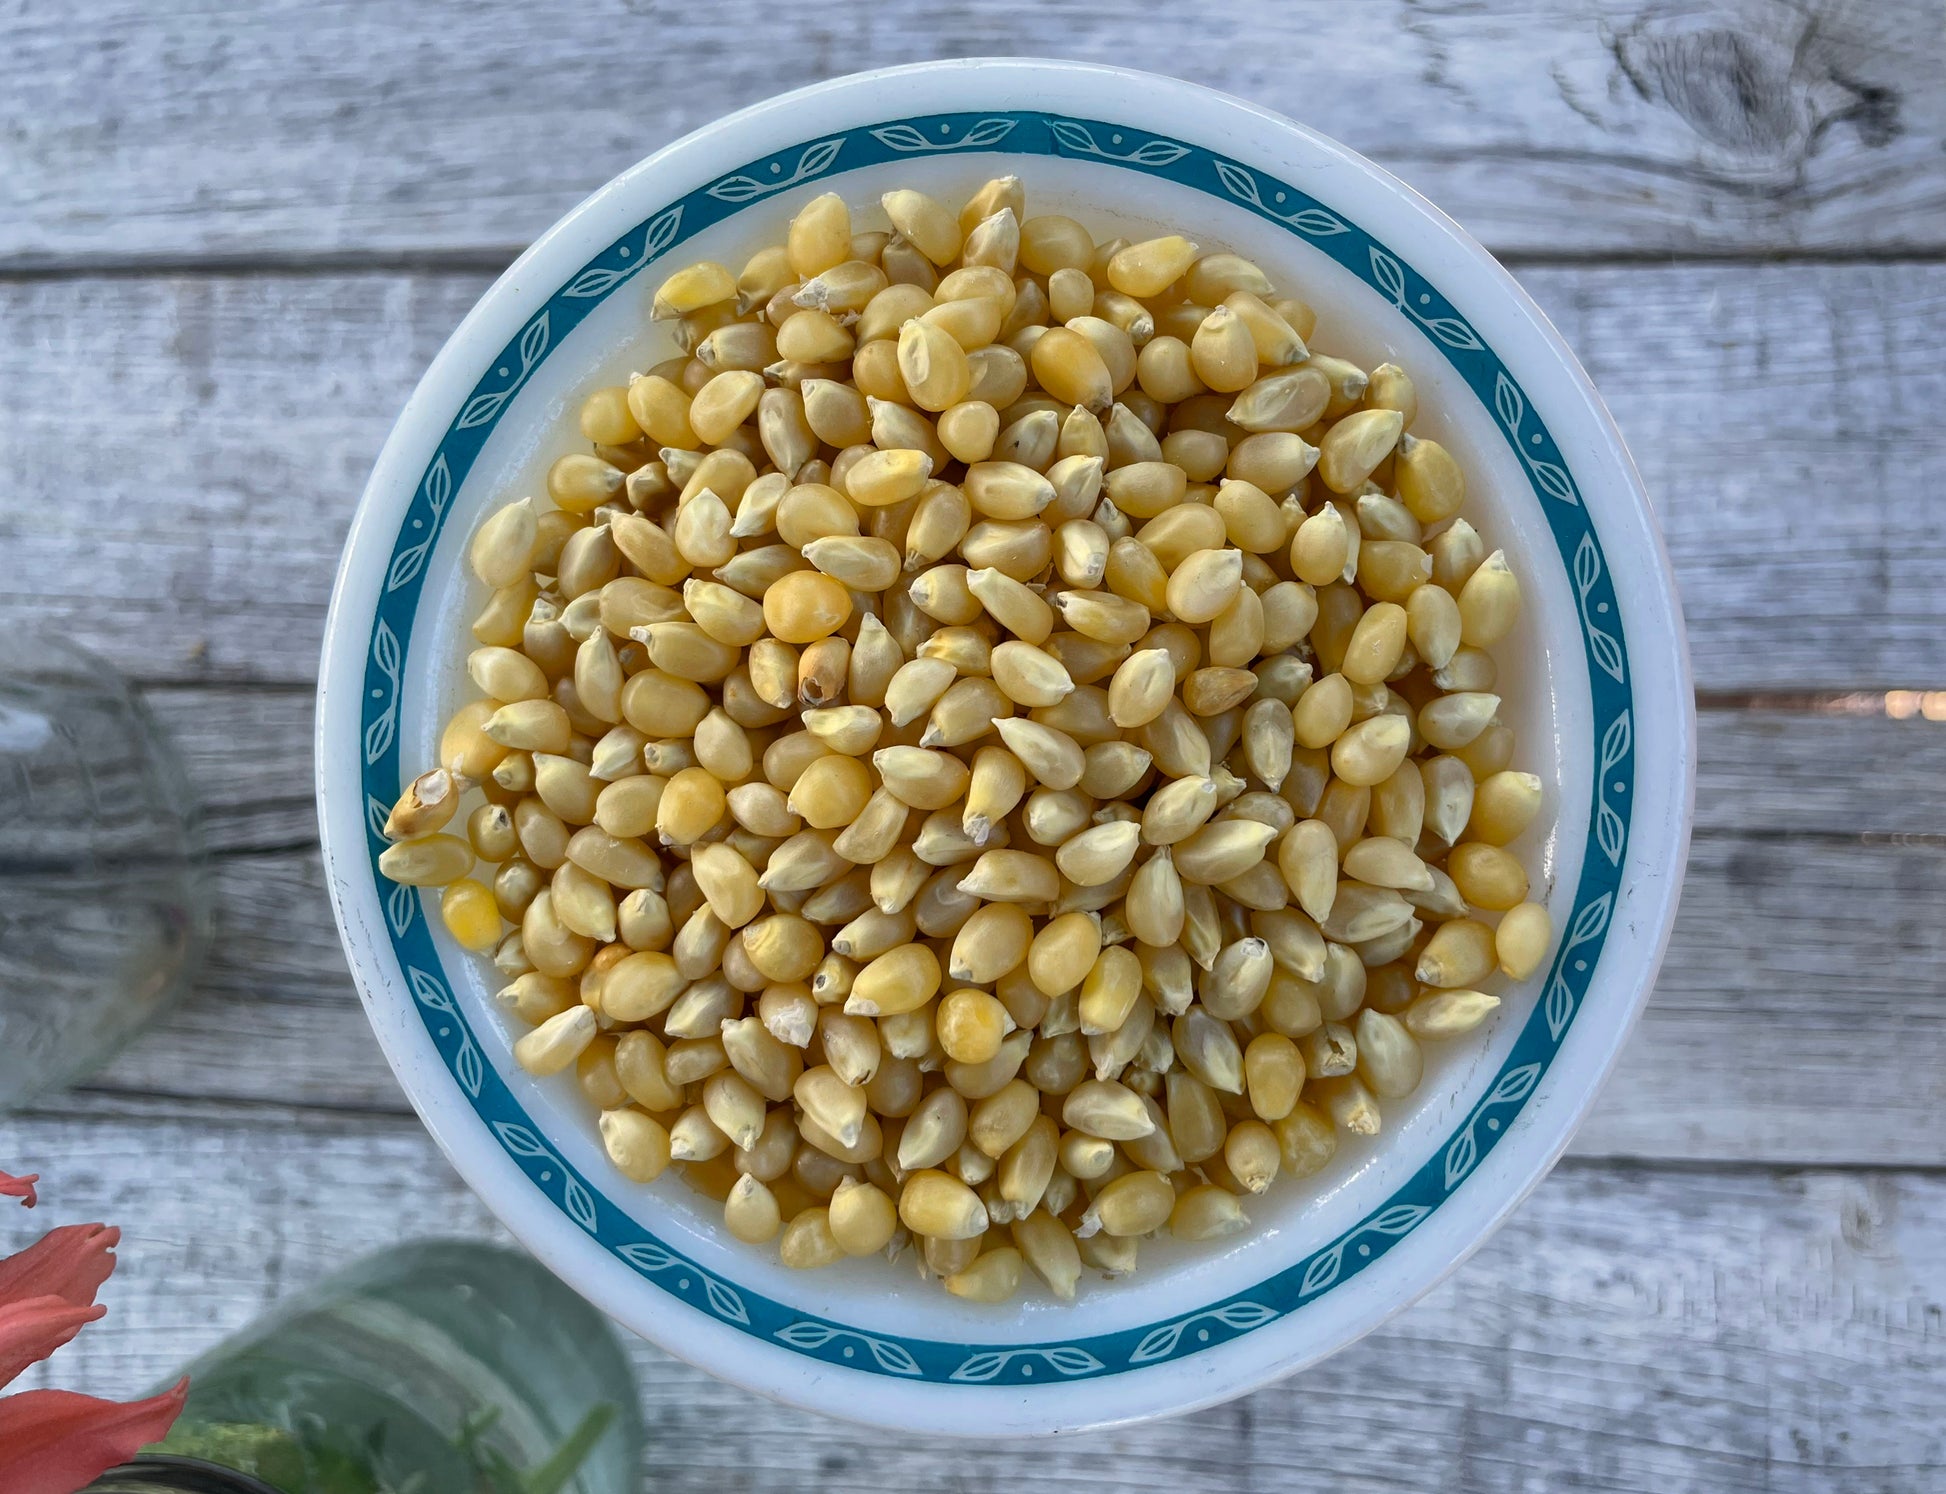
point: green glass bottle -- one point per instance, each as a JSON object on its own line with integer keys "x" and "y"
{"x": 441, "y": 1367}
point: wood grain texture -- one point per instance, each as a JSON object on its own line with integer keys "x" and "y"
{"x": 1785, "y": 419}
{"x": 1546, "y": 126}
{"x": 1800, "y": 1017}
{"x": 1711, "y": 1330}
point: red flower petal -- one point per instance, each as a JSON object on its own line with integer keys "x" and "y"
{"x": 20, "y": 1188}
{"x": 70, "y": 1263}
{"x": 34, "y": 1327}
{"x": 54, "y": 1441}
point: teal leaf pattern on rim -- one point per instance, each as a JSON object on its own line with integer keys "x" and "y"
{"x": 1242, "y": 185}
{"x": 377, "y": 812}
{"x": 1160, "y": 1343}
{"x": 431, "y": 992}
{"x": 903, "y": 137}
{"x": 893, "y": 1358}
{"x": 652, "y": 1259}
{"x": 1078, "y": 138}
{"x": 1511, "y": 406}
{"x": 1302, "y": 1281}
{"x": 1389, "y": 276}
{"x": 437, "y": 490}
{"x": 986, "y": 1366}
{"x": 384, "y": 727}
{"x": 1601, "y": 643}
{"x": 597, "y": 281}
{"x": 1588, "y": 925}
{"x": 483, "y": 409}
{"x": 1610, "y": 829}
{"x": 814, "y": 162}
{"x": 401, "y": 907}
{"x": 1513, "y": 1086}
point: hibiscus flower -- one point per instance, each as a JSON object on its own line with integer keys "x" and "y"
{"x": 54, "y": 1441}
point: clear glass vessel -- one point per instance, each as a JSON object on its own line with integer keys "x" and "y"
{"x": 439, "y": 1367}
{"x": 104, "y": 894}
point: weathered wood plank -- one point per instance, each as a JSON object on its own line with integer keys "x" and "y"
{"x": 1800, "y": 1017}
{"x": 1630, "y": 1329}
{"x": 1546, "y": 127}
{"x": 1785, "y": 418}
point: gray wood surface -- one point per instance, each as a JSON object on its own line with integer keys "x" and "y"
{"x": 1783, "y": 417}
{"x": 337, "y": 133}
{"x": 1727, "y": 1330}
{"x": 231, "y": 238}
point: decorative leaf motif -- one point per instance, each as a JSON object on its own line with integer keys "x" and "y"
{"x": 1317, "y": 223}
{"x": 522, "y": 1142}
{"x": 1508, "y": 403}
{"x": 892, "y": 1357}
{"x": 533, "y": 342}
{"x": 1240, "y": 184}
{"x": 1559, "y": 1007}
{"x": 1241, "y": 1315}
{"x": 1552, "y": 480}
{"x": 1390, "y": 276}
{"x": 579, "y": 1202}
{"x": 1323, "y": 1270}
{"x": 483, "y": 408}
{"x": 1514, "y": 1086}
{"x": 385, "y": 651}
{"x": 1397, "y": 1220}
{"x": 1155, "y": 153}
{"x": 1607, "y": 652}
{"x": 592, "y": 284}
{"x": 1071, "y": 1359}
{"x": 1590, "y": 921}
{"x": 1453, "y": 332}
{"x": 1460, "y": 1157}
{"x": 1611, "y": 832}
{"x": 662, "y": 232}
{"x": 982, "y": 1367}
{"x": 986, "y": 132}
{"x": 736, "y": 189}
{"x": 1586, "y": 566}
{"x": 900, "y": 137}
{"x": 1159, "y": 1343}
{"x": 377, "y": 812}
{"x": 1067, "y": 1359}
{"x": 815, "y": 161}
{"x": 724, "y": 1302}
{"x": 479, "y": 410}
{"x": 401, "y": 907}
{"x": 811, "y": 1335}
{"x": 1587, "y": 571}
{"x": 429, "y": 989}
{"x": 1074, "y": 137}
{"x": 649, "y": 1257}
{"x": 469, "y": 1067}
{"x": 1609, "y": 827}
{"x": 379, "y": 735}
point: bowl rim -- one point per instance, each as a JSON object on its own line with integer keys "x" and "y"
{"x": 1652, "y": 628}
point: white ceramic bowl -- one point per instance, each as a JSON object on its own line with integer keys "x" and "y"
{"x": 1599, "y": 693}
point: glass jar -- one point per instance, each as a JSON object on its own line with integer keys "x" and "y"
{"x": 104, "y": 896}
{"x": 440, "y": 1367}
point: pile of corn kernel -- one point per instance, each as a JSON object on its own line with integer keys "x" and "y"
{"x": 989, "y": 751}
